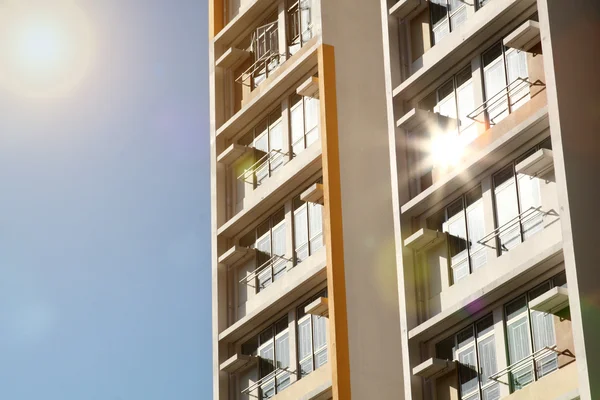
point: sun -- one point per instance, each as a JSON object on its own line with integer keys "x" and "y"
{"x": 45, "y": 47}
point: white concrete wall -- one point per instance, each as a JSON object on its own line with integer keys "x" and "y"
{"x": 354, "y": 31}
{"x": 569, "y": 32}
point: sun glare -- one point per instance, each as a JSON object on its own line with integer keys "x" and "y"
{"x": 46, "y": 47}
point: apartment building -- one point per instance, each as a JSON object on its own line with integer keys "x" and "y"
{"x": 304, "y": 275}
{"x": 492, "y": 111}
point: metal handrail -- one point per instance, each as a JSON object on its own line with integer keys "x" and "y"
{"x": 524, "y": 216}
{"x": 269, "y": 30}
{"x": 498, "y": 97}
{"x": 267, "y": 264}
{"x": 266, "y": 158}
{"x": 262, "y": 380}
{"x": 532, "y": 357}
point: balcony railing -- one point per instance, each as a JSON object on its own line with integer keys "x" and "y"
{"x": 267, "y": 266}
{"x": 518, "y": 87}
{"x": 515, "y": 223}
{"x": 270, "y": 161}
{"x": 265, "y": 46}
{"x": 537, "y": 356}
{"x": 262, "y": 381}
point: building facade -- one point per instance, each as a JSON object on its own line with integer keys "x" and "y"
{"x": 489, "y": 112}
{"x": 304, "y": 280}
{"x": 403, "y": 199}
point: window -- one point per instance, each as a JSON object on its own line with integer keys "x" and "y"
{"x": 446, "y": 16}
{"x": 269, "y": 240}
{"x": 463, "y": 222}
{"x": 529, "y": 331}
{"x": 274, "y": 356}
{"x": 517, "y": 202}
{"x": 265, "y": 46}
{"x": 304, "y": 119}
{"x": 267, "y": 140}
{"x": 474, "y": 349}
{"x": 312, "y": 339}
{"x": 299, "y": 24}
{"x": 505, "y": 81}
{"x": 308, "y": 229}
{"x": 456, "y": 99}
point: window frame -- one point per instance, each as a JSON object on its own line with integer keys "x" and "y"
{"x": 447, "y": 19}
{"x": 473, "y": 345}
{"x": 315, "y": 352}
{"x": 466, "y": 207}
{"x": 303, "y": 104}
{"x": 533, "y": 364}
{"x": 502, "y": 59}
{"x": 514, "y": 180}
{"x": 311, "y": 245}
{"x": 272, "y": 341}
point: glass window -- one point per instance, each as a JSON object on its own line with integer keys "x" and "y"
{"x": 446, "y": 16}
{"x": 474, "y": 348}
{"x": 269, "y": 239}
{"x": 312, "y": 339}
{"x": 529, "y": 332}
{"x": 274, "y": 356}
{"x": 505, "y": 81}
{"x": 517, "y": 202}
{"x": 299, "y": 21}
{"x": 463, "y": 221}
{"x": 308, "y": 229}
{"x": 267, "y": 140}
{"x": 456, "y": 99}
{"x": 304, "y": 116}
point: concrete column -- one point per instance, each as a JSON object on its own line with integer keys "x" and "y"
{"x": 293, "y": 338}
{"x": 361, "y": 267}
{"x": 289, "y": 233}
{"x": 286, "y": 128}
{"x": 282, "y": 27}
{"x": 570, "y": 32}
{"x": 500, "y": 339}
{"x": 487, "y": 191}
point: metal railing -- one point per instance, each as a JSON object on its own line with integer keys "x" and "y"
{"x": 535, "y": 356}
{"x": 266, "y": 159}
{"x": 269, "y": 264}
{"x": 265, "y": 46}
{"x": 514, "y": 223}
{"x": 505, "y": 93}
{"x": 266, "y": 378}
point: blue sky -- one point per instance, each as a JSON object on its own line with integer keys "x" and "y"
{"x": 104, "y": 218}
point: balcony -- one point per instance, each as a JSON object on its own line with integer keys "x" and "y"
{"x": 482, "y": 28}
{"x": 500, "y": 277}
{"x": 272, "y": 188}
{"x": 254, "y": 11}
{"x": 509, "y": 133}
{"x": 277, "y": 296}
{"x": 277, "y": 81}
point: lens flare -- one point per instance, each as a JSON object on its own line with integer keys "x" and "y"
{"x": 45, "y": 47}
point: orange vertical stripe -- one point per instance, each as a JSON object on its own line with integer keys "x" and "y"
{"x": 334, "y": 239}
{"x": 216, "y": 19}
